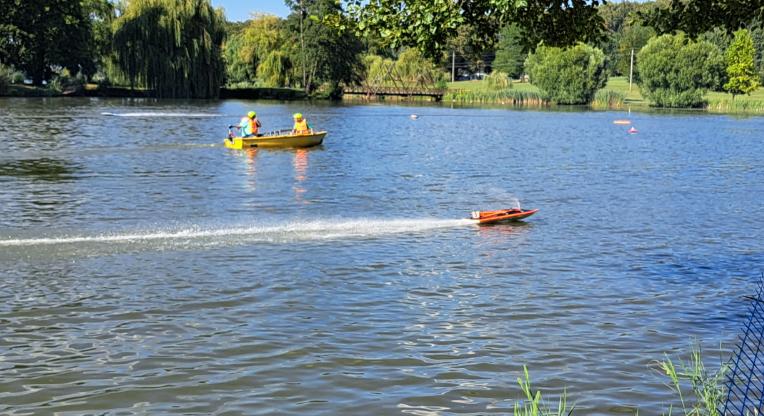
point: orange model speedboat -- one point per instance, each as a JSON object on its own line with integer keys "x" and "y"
{"x": 511, "y": 214}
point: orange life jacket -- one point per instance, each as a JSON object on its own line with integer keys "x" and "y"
{"x": 249, "y": 126}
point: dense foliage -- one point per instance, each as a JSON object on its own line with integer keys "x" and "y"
{"x": 410, "y": 69}
{"x": 323, "y": 54}
{"x": 676, "y": 71}
{"x": 429, "y": 24}
{"x": 509, "y": 52}
{"x": 171, "y": 46}
{"x": 740, "y": 68}
{"x": 698, "y": 16}
{"x": 38, "y": 35}
{"x": 185, "y": 48}
{"x": 567, "y": 75}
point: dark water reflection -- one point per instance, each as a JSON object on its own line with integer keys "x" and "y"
{"x": 148, "y": 270}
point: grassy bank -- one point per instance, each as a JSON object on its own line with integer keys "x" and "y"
{"x": 16, "y": 90}
{"x": 616, "y": 94}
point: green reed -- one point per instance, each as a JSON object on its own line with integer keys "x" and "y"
{"x": 740, "y": 105}
{"x": 502, "y": 96}
{"x": 608, "y": 99}
{"x": 534, "y": 405}
{"x": 707, "y": 389}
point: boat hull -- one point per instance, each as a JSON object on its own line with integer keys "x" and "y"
{"x": 285, "y": 140}
{"x": 502, "y": 215}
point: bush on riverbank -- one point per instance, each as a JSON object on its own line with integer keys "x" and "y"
{"x": 677, "y": 72}
{"x": 567, "y": 76}
{"x": 8, "y": 77}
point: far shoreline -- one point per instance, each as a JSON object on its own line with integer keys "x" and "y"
{"x": 630, "y": 104}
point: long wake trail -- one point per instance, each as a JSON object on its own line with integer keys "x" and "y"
{"x": 295, "y": 231}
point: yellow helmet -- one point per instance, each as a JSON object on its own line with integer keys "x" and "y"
{"x": 297, "y": 115}
{"x": 251, "y": 114}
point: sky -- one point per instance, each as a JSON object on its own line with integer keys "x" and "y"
{"x": 238, "y": 10}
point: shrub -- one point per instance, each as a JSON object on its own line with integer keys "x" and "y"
{"x": 567, "y": 76}
{"x": 498, "y": 80}
{"x": 677, "y": 72}
{"x": 64, "y": 81}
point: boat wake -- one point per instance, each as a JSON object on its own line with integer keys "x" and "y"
{"x": 196, "y": 236}
{"x": 160, "y": 114}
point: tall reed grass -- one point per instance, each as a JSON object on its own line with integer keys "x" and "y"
{"x": 725, "y": 105}
{"x": 533, "y": 405}
{"x": 608, "y": 99}
{"x": 706, "y": 388}
{"x": 504, "y": 96}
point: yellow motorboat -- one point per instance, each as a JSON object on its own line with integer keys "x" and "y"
{"x": 278, "y": 138}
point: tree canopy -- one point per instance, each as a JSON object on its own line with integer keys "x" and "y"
{"x": 36, "y": 35}
{"x": 428, "y": 24}
{"x": 676, "y": 71}
{"x": 322, "y": 53}
{"x": 697, "y": 16}
{"x": 741, "y": 72}
{"x": 171, "y": 46}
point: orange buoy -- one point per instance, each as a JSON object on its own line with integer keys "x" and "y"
{"x": 622, "y": 122}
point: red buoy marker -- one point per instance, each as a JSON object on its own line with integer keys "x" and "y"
{"x": 632, "y": 130}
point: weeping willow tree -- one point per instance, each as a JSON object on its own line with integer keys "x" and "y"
{"x": 275, "y": 69}
{"x": 410, "y": 70}
{"x": 171, "y": 46}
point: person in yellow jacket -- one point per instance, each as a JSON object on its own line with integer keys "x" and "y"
{"x": 249, "y": 125}
{"x": 301, "y": 125}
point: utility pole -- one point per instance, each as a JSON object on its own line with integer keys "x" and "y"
{"x": 453, "y": 66}
{"x": 631, "y": 68}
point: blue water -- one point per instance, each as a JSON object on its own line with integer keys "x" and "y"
{"x": 148, "y": 269}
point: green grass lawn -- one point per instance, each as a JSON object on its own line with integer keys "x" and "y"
{"x": 621, "y": 84}
{"x": 718, "y": 101}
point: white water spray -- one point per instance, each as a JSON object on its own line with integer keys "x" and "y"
{"x": 305, "y": 231}
{"x": 160, "y": 114}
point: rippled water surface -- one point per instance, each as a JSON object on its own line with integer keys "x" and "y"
{"x": 146, "y": 269}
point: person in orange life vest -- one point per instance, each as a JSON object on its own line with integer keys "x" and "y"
{"x": 301, "y": 125}
{"x": 249, "y": 125}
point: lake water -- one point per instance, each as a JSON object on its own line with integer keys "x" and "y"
{"x": 146, "y": 269}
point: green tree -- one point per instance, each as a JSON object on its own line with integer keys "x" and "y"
{"x": 740, "y": 68}
{"x": 319, "y": 52}
{"x": 263, "y": 35}
{"x": 471, "y": 51}
{"x": 757, "y": 34}
{"x": 718, "y": 36}
{"x": 569, "y": 75}
{"x": 36, "y": 35}
{"x": 676, "y": 72}
{"x": 409, "y": 70}
{"x": 237, "y": 69}
{"x": 633, "y": 37}
{"x": 697, "y": 16}
{"x": 509, "y": 52}
{"x": 429, "y": 24}
{"x": 171, "y": 46}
